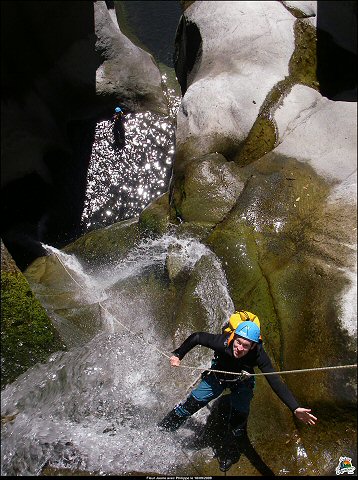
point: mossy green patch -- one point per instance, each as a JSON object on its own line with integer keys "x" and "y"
{"x": 197, "y": 145}
{"x": 274, "y": 246}
{"x": 198, "y": 230}
{"x": 154, "y": 219}
{"x": 260, "y": 140}
{"x": 262, "y": 137}
{"x": 303, "y": 63}
{"x": 27, "y": 334}
{"x": 210, "y": 187}
{"x": 237, "y": 249}
{"x": 177, "y": 196}
{"x": 106, "y": 244}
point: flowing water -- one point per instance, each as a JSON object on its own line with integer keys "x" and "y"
{"x": 96, "y": 407}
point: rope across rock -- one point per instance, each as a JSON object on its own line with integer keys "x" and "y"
{"x": 241, "y": 374}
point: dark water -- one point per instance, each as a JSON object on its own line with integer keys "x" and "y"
{"x": 154, "y": 23}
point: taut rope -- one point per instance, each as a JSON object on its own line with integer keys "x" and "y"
{"x": 242, "y": 374}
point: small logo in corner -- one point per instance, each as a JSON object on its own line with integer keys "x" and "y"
{"x": 345, "y": 466}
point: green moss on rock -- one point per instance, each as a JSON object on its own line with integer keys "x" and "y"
{"x": 106, "y": 244}
{"x": 303, "y": 63}
{"x": 262, "y": 137}
{"x": 27, "y": 334}
{"x": 154, "y": 219}
{"x": 260, "y": 140}
{"x": 211, "y": 186}
{"x": 272, "y": 231}
{"x": 236, "y": 247}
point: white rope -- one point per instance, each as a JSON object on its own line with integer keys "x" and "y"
{"x": 243, "y": 373}
{"x": 106, "y": 310}
{"x": 247, "y": 374}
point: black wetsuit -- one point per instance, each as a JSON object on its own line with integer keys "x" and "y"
{"x": 225, "y": 360}
{"x": 118, "y": 131}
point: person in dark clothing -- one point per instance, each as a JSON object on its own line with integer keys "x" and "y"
{"x": 118, "y": 129}
{"x": 242, "y": 350}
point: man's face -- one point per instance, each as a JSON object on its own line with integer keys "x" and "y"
{"x": 241, "y": 346}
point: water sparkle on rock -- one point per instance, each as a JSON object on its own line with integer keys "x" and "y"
{"x": 122, "y": 181}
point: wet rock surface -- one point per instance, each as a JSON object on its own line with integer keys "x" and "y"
{"x": 270, "y": 229}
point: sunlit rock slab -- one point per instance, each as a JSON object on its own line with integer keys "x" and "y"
{"x": 321, "y": 132}
{"x": 246, "y": 48}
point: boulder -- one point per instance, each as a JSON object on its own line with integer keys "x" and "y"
{"x": 27, "y": 333}
{"x": 128, "y": 73}
{"x": 288, "y": 241}
{"x": 233, "y": 76}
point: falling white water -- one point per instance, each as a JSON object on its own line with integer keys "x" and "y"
{"x": 76, "y": 272}
{"x": 96, "y": 407}
{"x": 151, "y": 253}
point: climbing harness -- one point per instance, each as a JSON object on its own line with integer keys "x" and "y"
{"x": 241, "y": 375}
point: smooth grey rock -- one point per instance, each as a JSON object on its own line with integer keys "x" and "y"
{"x": 128, "y": 73}
{"x": 246, "y": 48}
{"x": 320, "y": 132}
{"x": 212, "y": 186}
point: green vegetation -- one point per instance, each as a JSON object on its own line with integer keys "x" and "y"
{"x": 154, "y": 219}
{"x": 303, "y": 63}
{"x": 27, "y": 334}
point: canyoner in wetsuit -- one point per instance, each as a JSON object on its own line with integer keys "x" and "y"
{"x": 118, "y": 128}
{"x": 243, "y": 351}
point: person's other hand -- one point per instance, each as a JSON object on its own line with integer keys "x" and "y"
{"x": 305, "y": 416}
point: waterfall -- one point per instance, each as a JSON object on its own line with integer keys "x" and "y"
{"x": 96, "y": 407}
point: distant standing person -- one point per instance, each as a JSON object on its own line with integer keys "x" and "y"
{"x": 118, "y": 128}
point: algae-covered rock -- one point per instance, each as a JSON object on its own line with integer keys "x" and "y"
{"x": 209, "y": 189}
{"x": 154, "y": 219}
{"x": 103, "y": 245}
{"x": 27, "y": 334}
{"x": 283, "y": 260}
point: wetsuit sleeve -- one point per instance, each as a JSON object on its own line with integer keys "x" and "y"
{"x": 275, "y": 382}
{"x": 198, "y": 338}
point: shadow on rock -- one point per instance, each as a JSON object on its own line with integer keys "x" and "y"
{"x": 227, "y": 448}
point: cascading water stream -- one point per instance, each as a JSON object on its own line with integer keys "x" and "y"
{"x": 96, "y": 407}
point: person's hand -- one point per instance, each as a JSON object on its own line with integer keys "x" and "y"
{"x": 305, "y": 416}
{"x": 174, "y": 361}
